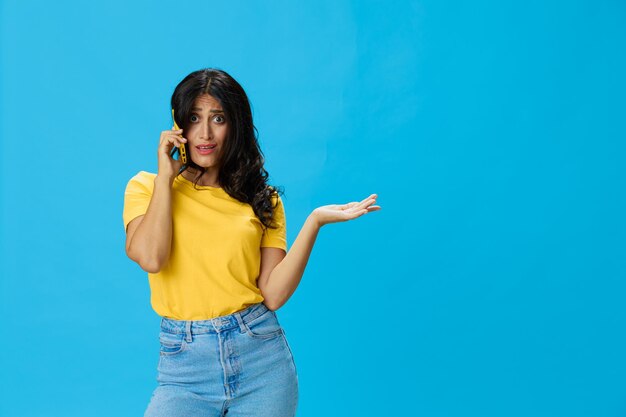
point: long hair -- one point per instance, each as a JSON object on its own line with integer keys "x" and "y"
{"x": 241, "y": 174}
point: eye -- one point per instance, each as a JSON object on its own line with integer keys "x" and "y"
{"x": 192, "y": 116}
{"x": 220, "y": 117}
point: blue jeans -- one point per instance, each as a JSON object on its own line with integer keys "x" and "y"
{"x": 234, "y": 365}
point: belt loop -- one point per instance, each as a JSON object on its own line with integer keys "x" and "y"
{"x": 242, "y": 326}
{"x": 188, "y": 331}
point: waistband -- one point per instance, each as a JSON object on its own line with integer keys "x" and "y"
{"x": 214, "y": 325}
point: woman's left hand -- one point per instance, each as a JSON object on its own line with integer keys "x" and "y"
{"x": 333, "y": 213}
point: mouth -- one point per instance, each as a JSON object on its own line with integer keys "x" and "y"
{"x": 206, "y": 149}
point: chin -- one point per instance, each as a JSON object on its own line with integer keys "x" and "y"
{"x": 205, "y": 165}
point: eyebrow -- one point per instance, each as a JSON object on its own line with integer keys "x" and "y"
{"x": 212, "y": 110}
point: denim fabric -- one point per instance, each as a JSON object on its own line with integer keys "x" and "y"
{"x": 234, "y": 365}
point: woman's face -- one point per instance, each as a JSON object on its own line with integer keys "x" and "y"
{"x": 206, "y": 126}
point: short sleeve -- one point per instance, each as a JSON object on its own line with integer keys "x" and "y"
{"x": 137, "y": 196}
{"x": 276, "y": 238}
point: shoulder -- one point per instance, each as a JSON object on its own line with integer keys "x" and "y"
{"x": 275, "y": 198}
{"x": 144, "y": 176}
{"x": 277, "y": 205}
{"x": 142, "y": 180}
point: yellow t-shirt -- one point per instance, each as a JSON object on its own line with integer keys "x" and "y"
{"x": 215, "y": 257}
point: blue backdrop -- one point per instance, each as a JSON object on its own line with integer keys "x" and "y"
{"x": 490, "y": 284}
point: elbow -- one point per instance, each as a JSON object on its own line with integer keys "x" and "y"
{"x": 272, "y": 305}
{"x": 269, "y": 305}
{"x": 268, "y": 300}
{"x": 150, "y": 267}
{"x": 148, "y": 264}
{"x": 151, "y": 264}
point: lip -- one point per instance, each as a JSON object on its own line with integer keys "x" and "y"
{"x": 205, "y": 151}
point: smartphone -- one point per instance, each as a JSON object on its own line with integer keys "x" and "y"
{"x": 181, "y": 150}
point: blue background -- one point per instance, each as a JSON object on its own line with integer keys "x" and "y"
{"x": 491, "y": 283}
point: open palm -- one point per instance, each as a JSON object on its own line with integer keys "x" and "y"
{"x": 333, "y": 213}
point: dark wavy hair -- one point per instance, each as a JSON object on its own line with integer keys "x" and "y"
{"x": 241, "y": 172}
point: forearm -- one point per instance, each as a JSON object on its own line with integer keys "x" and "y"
{"x": 285, "y": 277}
{"x": 152, "y": 240}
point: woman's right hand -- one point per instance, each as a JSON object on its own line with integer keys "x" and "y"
{"x": 168, "y": 166}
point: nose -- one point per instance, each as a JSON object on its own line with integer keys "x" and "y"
{"x": 206, "y": 132}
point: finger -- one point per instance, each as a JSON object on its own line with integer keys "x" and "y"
{"x": 371, "y": 196}
{"x": 177, "y": 135}
{"x": 170, "y": 134}
{"x": 361, "y": 212}
{"x": 177, "y": 140}
{"x": 170, "y": 142}
{"x": 368, "y": 201}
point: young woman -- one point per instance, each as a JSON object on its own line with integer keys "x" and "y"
{"x": 211, "y": 233}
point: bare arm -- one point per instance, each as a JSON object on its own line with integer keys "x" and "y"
{"x": 149, "y": 237}
{"x": 281, "y": 273}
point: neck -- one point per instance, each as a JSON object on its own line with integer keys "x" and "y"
{"x": 208, "y": 179}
